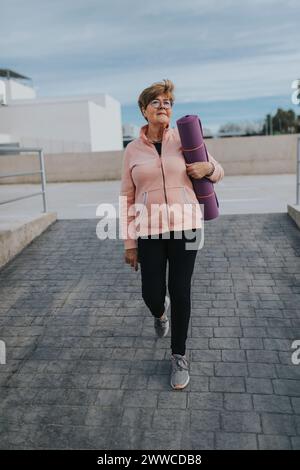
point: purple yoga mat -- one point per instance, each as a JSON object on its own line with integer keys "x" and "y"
{"x": 194, "y": 150}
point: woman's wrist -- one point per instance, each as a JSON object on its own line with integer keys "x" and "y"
{"x": 212, "y": 169}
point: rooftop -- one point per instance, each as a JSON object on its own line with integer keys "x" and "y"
{"x": 7, "y": 73}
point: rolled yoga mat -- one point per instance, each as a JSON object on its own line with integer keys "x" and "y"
{"x": 194, "y": 150}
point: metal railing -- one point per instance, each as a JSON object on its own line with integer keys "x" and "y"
{"x": 5, "y": 151}
{"x": 298, "y": 173}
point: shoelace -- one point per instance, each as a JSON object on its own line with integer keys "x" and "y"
{"x": 159, "y": 321}
{"x": 180, "y": 363}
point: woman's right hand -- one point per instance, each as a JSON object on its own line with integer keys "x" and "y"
{"x": 131, "y": 257}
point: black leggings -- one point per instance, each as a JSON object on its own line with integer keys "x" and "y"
{"x": 153, "y": 253}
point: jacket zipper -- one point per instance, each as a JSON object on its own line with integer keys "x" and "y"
{"x": 163, "y": 175}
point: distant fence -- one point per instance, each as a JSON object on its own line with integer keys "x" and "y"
{"x": 257, "y": 155}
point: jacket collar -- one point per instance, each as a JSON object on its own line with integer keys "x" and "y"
{"x": 144, "y": 137}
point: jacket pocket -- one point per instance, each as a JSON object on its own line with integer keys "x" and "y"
{"x": 154, "y": 213}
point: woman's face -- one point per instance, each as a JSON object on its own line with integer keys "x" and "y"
{"x": 157, "y": 111}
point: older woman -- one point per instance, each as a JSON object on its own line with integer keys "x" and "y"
{"x": 156, "y": 182}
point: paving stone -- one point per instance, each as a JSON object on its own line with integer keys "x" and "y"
{"x": 258, "y": 385}
{"x": 238, "y": 402}
{"x": 286, "y": 387}
{"x": 140, "y": 398}
{"x": 205, "y": 401}
{"x": 273, "y": 423}
{"x": 170, "y": 418}
{"x": 241, "y": 422}
{"x": 227, "y": 332}
{"x": 202, "y": 368}
{"x": 296, "y": 404}
{"x": 235, "y": 441}
{"x": 201, "y": 420}
{"x": 262, "y": 356}
{"x": 233, "y": 355}
{"x": 134, "y": 417}
{"x": 231, "y": 369}
{"x": 277, "y": 344}
{"x": 193, "y": 439}
{"x": 199, "y": 384}
{"x": 55, "y": 414}
{"x": 172, "y": 400}
{"x": 262, "y": 370}
{"x": 229, "y": 321}
{"x": 224, "y": 343}
{"x": 288, "y": 372}
{"x": 227, "y": 384}
{"x": 251, "y": 343}
{"x": 206, "y": 355}
{"x": 272, "y": 403}
{"x": 108, "y": 416}
{"x": 274, "y": 442}
{"x": 295, "y": 443}
{"x": 160, "y": 439}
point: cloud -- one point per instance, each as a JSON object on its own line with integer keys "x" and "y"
{"x": 211, "y": 50}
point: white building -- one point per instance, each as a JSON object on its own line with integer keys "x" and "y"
{"x": 62, "y": 124}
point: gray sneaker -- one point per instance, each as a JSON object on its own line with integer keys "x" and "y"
{"x": 180, "y": 374}
{"x": 161, "y": 326}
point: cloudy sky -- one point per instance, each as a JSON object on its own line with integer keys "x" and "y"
{"x": 231, "y": 61}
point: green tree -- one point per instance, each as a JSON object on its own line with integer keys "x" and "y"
{"x": 283, "y": 122}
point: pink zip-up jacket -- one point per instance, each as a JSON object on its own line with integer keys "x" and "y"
{"x": 157, "y": 194}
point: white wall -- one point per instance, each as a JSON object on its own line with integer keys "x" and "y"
{"x": 65, "y": 125}
{"x": 6, "y": 138}
{"x": 106, "y": 125}
{"x": 16, "y": 90}
{"x": 39, "y": 124}
{"x": 2, "y": 92}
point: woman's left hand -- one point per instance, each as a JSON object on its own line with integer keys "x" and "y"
{"x": 198, "y": 170}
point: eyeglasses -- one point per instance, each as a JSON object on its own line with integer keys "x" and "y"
{"x": 156, "y": 104}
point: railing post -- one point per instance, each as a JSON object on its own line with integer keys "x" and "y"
{"x": 43, "y": 178}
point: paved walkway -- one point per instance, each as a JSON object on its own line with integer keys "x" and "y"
{"x": 84, "y": 369}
